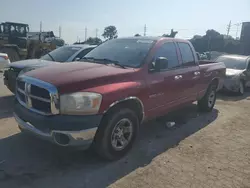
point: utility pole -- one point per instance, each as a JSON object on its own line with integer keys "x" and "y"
{"x": 96, "y": 33}
{"x": 145, "y": 30}
{"x": 60, "y": 31}
{"x": 86, "y": 30}
{"x": 228, "y": 28}
{"x": 237, "y": 30}
{"x": 41, "y": 26}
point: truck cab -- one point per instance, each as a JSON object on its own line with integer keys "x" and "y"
{"x": 102, "y": 100}
{"x": 13, "y": 39}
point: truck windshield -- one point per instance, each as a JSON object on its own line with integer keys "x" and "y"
{"x": 61, "y": 54}
{"x": 126, "y": 52}
{"x": 233, "y": 62}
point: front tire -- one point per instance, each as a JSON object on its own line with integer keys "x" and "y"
{"x": 206, "y": 104}
{"x": 116, "y": 134}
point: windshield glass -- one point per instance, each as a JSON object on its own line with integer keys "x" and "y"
{"x": 127, "y": 52}
{"x": 233, "y": 63}
{"x": 61, "y": 54}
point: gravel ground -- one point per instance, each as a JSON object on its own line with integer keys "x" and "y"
{"x": 202, "y": 150}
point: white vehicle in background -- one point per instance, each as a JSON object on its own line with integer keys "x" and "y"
{"x": 4, "y": 60}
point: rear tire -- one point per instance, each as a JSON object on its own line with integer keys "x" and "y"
{"x": 12, "y": 53}
{"x": 110, "y": 135}
{"x": 206, "y": 104}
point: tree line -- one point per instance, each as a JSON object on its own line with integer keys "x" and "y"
{"x": 110, "y": 32}
{"x": 211, "y": 41}
{"x": 214, "y": 41}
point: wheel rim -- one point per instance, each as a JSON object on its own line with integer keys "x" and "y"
{"x": 121, "y": 134}
{"x": 211, "y": 99}
{"x": 241, "y": 88}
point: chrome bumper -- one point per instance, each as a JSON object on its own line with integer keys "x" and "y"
{"x": 82, "y": 138}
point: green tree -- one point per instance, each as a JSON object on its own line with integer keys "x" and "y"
{"x": 93, "y": 41}
{"x": 110, "y": 32}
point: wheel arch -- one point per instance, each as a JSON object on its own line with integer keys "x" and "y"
{"x": 132, "y": 102}
{"x": 214, "y": 81}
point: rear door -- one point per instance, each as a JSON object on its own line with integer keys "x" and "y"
{"x": 190, "y": 72}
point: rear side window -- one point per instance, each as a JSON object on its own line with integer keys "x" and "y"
{"x": 168, "y": 50}
{"x": 186, "y": 54}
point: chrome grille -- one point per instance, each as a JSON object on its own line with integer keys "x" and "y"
{"x": 36, "y": 95}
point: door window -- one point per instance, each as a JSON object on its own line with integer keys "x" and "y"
{"x": 83, "y": 53}
{"x": 168, "y": 50}
{"x": 186, "y": 54}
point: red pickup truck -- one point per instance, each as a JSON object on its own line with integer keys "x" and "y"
{"x": 102, "y": 100}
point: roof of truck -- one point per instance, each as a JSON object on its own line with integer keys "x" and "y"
{"x": 81, "y": 45}
{"x": 155, "y": 38}
{"x": 16, "y": 23}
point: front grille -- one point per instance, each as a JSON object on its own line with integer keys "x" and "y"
{"x": 38, "y": 91}
{"x": 37, "y": 95}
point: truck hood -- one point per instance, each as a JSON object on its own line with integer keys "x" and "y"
{"x": 31, "y": 63}
{"x": 232, "y": 72}
{"x": 78, "y": 76}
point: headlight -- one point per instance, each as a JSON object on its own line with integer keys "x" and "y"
{"x": 80, "y": 103}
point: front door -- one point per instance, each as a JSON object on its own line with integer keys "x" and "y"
{"x": 164, "y": 86}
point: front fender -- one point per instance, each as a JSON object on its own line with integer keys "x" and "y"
{"x": 116, "y": 92}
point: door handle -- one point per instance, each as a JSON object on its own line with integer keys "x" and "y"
{"x": 178, "y": 77}
{"x": 196, "y": 73}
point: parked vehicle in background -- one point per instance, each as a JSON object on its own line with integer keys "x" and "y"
{"x": 237, "y": 72}
{"x": 63, "y": 54}
{"x": 14, "y": 41}
{"x": 121, "y": 83}
{"x": 4, "y": 60}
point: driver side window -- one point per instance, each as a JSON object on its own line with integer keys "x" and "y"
{"x": 168, "y": 50}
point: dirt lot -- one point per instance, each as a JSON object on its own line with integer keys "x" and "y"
{"x": 202, "y": 150}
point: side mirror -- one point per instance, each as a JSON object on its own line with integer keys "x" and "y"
{"x": 159, "y": 64}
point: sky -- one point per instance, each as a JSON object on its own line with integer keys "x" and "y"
{"x": 189, "y": 17}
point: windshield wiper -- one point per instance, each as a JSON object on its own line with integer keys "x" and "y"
{"x": 51, "y": 57}
{"x": 108, "y": 61}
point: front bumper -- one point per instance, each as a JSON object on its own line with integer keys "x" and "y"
{"x": 63, "y": 130}
{"x": 231, "y": 84}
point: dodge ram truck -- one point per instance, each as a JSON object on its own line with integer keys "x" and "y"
{"x": 102, "y": 101}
